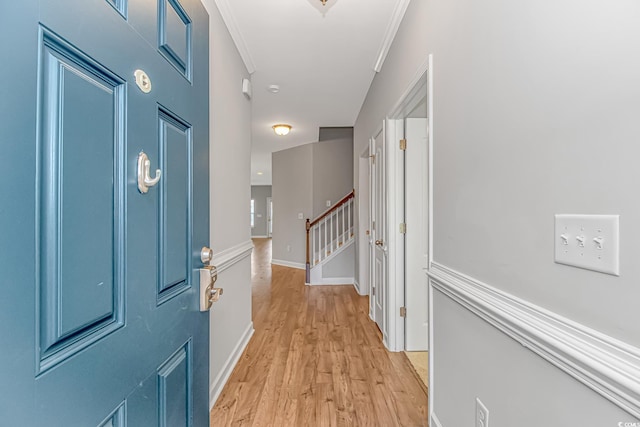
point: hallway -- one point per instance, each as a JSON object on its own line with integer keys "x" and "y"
{"x": 316, "y": 359}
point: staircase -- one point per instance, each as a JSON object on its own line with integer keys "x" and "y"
{"x": 329, "y": 239}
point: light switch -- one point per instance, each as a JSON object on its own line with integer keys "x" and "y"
{"x": 328, "y": 203}
{"x": 588, "y": 241}
{"x": 300, "y": 215}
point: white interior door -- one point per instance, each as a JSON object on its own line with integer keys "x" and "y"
{"x": 379, "y": 233}
{"x": 370, "y": 224}
{"x": 416, "y": 289}
{"x": 269, "y": 216}
{"x": 364, "y": 224}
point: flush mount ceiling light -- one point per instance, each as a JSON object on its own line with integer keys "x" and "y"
{"x": 281, "y": 129}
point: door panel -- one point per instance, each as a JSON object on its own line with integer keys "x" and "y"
{"x": 175, "y": 36}
{"x": 416, "y": 296}
{"x": 174, "y": 204}
{"x": 379, "y": 233}
{"x": 100, "y": 309}
{"x": 81, "y": 144}
{"x": 174, "y": 389}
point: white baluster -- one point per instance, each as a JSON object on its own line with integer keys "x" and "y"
{"x": 318, "y": 243}
{"x": 337, "y": 228}
{"x": 343, "y": 230}
{"x": 313, "y": 245}
{"x": 330, "y": 218}
{"x": 324, "y": 247}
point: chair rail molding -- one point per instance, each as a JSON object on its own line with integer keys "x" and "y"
{"x": 228, "y": 257}
{"x": 605, "y": 364}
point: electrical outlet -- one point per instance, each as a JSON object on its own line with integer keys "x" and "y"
{"x": 482, "y": 414}
{"x": 288, "y": 248}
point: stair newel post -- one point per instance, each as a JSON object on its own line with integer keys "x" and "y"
{"x": 308, "y": 264}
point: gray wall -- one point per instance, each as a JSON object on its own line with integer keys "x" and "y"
{"x": 230, "y": 190}
{"x": 332, "y": 167}
{"x": 342, "y": 266}
{"x": 529, "y": 98}
{"x": 260, "y": 193}
{"x": 292, "y": 194}
{"x": 304, "y": 178}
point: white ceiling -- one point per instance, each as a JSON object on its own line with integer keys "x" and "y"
{"x": 324, "y": 64}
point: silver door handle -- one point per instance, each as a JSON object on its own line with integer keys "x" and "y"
{"x": 144, "y": 179}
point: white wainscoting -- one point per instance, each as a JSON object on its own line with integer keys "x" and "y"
{"x": 225, "y": 259}
{"x": 221, "y": 379}
{"x": 608, "y": 366}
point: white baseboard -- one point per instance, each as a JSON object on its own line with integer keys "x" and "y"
{"x": 435, "y": 422}
{"x": 228, "y": 257}
{"x": 356, "y": 285}
{"x": 259, "y": 237}
{"x": 223, "y": 376}
{"x": 291, "y": 264}
{"x": 332, "y": 281}
{"x": 359, "y": 287}
{"x": 607, "y": 365}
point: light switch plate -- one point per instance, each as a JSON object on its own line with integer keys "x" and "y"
{"x": 300, "y": 215}
{"x": 588, "y": 241}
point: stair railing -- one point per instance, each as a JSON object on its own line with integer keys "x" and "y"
{"x": 329, "y": 231}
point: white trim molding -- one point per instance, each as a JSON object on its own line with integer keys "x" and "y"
{"x": 290, "y": 264}
{"x": 435, "y": 422}
{"x": 607, "y": 365}
{"x": 356, "y": 285}
{"x": 225, "y": 259}
{"x": 229, "y": 19}
{"x": 223, "y": 376}
{"x": 332, "y": 281}
{"x": 390, "y": 33}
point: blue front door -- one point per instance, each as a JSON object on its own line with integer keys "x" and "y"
{"x": 99, "y": 311}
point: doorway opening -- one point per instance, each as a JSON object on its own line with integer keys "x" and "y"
{"x": 400, "y": 221}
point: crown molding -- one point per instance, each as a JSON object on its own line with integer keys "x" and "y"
{"x": 229, "y": 19}
{"x": 390, "y": 33}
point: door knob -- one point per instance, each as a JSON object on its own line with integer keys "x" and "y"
{"x": 379, "y": 242}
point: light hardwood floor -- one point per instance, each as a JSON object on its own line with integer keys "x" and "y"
{"x": 316, "y": 359}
